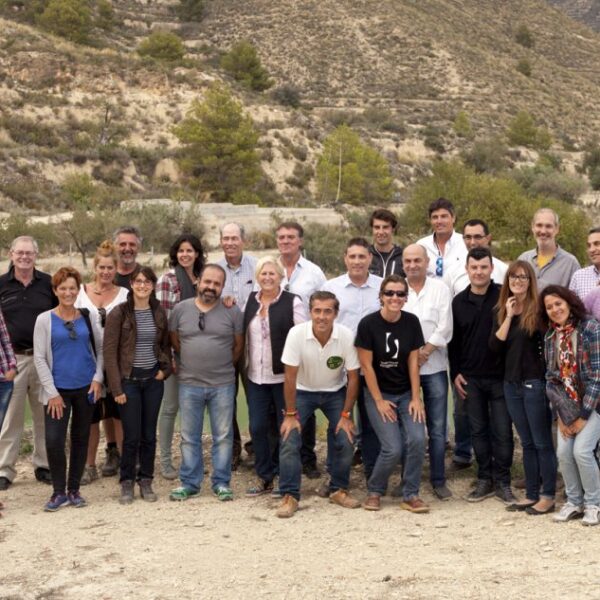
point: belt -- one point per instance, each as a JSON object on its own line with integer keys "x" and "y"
{"x": 26, "y": 352}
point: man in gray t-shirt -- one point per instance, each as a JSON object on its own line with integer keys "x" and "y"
{"x": 209, "y": 340}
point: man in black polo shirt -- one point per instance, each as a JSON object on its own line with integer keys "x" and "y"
{"x": 25, "y": 292}
{"x": 477, "y": 374}
{"x": 128, "y": 242}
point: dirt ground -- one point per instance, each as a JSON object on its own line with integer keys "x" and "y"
{"x": 206, "y": 549}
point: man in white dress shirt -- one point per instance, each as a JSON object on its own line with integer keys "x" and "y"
{"x": 430, "y": 300}
{"x": 303, "y": 278}
{"x": 357, "y": 291}
{"x": 445, "y": 247}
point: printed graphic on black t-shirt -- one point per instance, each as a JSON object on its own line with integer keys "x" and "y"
{"x": 391, "y": 344}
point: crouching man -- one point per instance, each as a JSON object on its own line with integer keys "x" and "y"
{"x": 319, "y": 356}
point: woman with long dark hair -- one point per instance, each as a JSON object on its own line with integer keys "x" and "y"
{"x": 186, "y": 259}
{"x": 519, "y": 340}
{"x": 137, "y": 357}
{"x": 67, "y": 352}
{"x": 572, "y": 349}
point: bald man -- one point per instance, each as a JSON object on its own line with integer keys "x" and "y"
{"x": 430, "y": 300}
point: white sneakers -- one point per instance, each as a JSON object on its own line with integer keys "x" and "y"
{"x": 590, "y": 514}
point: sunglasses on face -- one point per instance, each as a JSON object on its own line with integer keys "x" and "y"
{"x": 391, "y": 293}
{"x": 201, "y": 321}
{"x": 439, "y": 266}
{"x": 71, "y": 329}
{"x": 102, "y": 313}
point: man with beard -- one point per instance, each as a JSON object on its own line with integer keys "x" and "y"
{"x": 128, "y": 242}
{"x": 209, "y": 339}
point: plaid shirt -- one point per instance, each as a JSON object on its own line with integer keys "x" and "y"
{"x": 8, "y": 360}
{"x": 588, "y": 360}
{"x": 168, "y": 292}
{"x": 584, "y": 281}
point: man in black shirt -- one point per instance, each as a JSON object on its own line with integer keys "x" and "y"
{"x": 387, "y": 256}
{"x": 25, "y": 292}
{"x": 477, "y": 373}
{"x": 128, "y": 242}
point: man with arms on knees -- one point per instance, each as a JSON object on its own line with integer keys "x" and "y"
{"x": 358, "y": 294}
{"x": 25, "y": 292}
{"x": 302, "y": 277}
{"x": 209, "y": 339}
{"x": 445, "y": 247}
{"x": 429, "y": 299}
{"x": 587, "y": 279}
{"x": 551, "y": 264}
{"x": 317, "y": 356}
{"x": 128, "y": 242}
{"x": 476, "y": 234}
{"x": 239, "y": 282}
{"x": 477, "y": 374}
{"x": 387, "y": 256}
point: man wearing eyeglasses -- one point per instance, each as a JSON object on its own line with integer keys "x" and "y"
{"x": 25, "y": 292}
{"x": 429, "y": 299}
{"x": 476, "y": 234}
{"x": 445, "y": 247}
{"x": 209, "y": 339}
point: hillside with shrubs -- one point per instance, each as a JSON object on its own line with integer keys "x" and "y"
{"x": 296, "y": 102}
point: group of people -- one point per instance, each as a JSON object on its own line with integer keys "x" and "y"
{"x": 517, "y": 344}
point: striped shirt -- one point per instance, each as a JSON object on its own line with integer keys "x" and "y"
{"x": 145, "y": 356}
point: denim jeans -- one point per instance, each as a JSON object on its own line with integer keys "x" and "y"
{"x": 76, "y": 401}
{"x": 462, "y": 431}
{"x": 290, "y": 464}
{"x": 578, "y": 464}
{"x": 139, "y": 416}
{"x": 166, "y": 420}
{"x": 529, "y": 409}
{"x": 219, "y": 401}
{"x": 6, "y": 388}
{"x": 369, "y": 442}
{"x": 435, "y": 398}
{"x": 405, "y": 435}
{"x": 263, "y": 399}
{"x": 491, "y": 428}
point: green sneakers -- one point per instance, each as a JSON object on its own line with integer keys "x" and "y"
{"x": 182, "y": 493}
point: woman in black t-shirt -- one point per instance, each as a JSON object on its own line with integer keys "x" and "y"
{"x": 388, "y": 342}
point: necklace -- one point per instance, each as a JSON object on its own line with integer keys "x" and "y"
{"x": 104, "y": 291}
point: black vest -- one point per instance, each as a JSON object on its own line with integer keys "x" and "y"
{"x": 281, "y": 320}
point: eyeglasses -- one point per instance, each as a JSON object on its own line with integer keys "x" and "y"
{"x": 519, "y": 277}
{"x": 477, "y": 237}
{"x": 439, "y": 266}
{"x": 102, "y": 313}
{"x": 71, "y": 329}
{"x": 391, "y": 293}
{"x": 27, "y": 253}
{"x": 201, "y": 321}
{"x": 142, "y": 282}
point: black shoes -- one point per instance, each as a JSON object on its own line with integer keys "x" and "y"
{"x": 5, "y": 483}
{"x": 505, "y": 494}
{"x": 311, "y": 471}
{"x": 483, "y": 489}
{"x": 43, "y": 475}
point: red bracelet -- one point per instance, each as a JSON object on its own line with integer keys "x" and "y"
{"x": 347, "y": 414}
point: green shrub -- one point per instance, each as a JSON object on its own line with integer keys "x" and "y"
{"x": 105, "y": 18}
{"x": 544, "y": 181}
{"x": 524, "y": 37}
{"x": 524, "y": 67}
{"x": 243, "y": 64}
{"x": 190, "y": 10}
{"x": 523, "y": 131}
{"x": 595, "y": 178}
{"x": 71, "y": 19}
{"x": 462, "y": 125}
{"x": 325, "y": 245}
{"x": 287, "y": 95}
{"x": 27, "y": 131}
{"x": 162, "y": 45}
{"x": 488, "y": 155}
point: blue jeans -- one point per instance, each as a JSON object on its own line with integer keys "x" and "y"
{"x": 6, "y": 388}
{"x": 290, "y": 464}
{"x": 462, "y": 430}
{"x": 578, "y": 464}
{"x": 219, "y": 401}
{"x": 262, "y": 400}
{"x": 435, "y": 398}
{"x": 529, "y": 409}
{"x": 404, "y": 435}
{"x": 139, "y": 416}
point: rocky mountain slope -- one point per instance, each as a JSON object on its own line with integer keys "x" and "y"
{"x": 586, "y": 11}
{"x": 422, "y": 61}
